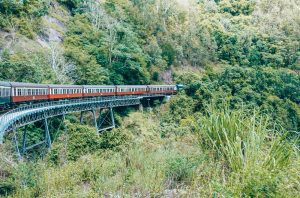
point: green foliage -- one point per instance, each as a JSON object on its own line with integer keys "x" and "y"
{"x": 26, "y": 68}
{"x": 234, "y": 134}
{"x": 194, "y": 145}
{"x": 6, "y": 186}
{"x": 23, "y": 16}
{"x": 114, "y": 139}
{"x": 71, "y": 4}
{"x": 79, "y": 42}
{"x": 181, "y": 107}
{"x": 236, "y": 8}
{"x": 78, "y": 141}
{"x": 180, "y": 170}
{"x": 88, "y": 47}
{"x": 275, "y": 91}
{"x": 35, "y": 8}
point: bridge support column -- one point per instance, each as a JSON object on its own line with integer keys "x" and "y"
{"x": 95, "y": 119}
{"x": 112, "y": 117}
{"x": 106, "y": 120}
{"x": 24, "y": 140}
{"x": 141, "y": 108}
{"x": 81, "y": 117}
{"x": 16, "y": 144}
{"x": 47, "y": 133}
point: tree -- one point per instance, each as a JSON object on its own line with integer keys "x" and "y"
{"x": 63, "y": 70}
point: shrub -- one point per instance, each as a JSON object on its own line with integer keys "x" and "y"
{"x": 180, "y": 170}
{"x": 256, "y": 155}
{"x": 78, "y": 141}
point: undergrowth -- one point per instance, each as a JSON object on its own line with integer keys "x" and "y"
{"x": 231, "y": 153}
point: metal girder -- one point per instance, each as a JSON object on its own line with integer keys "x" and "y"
{"x": 106, "y": 120}
{"x": 24, "y": 116}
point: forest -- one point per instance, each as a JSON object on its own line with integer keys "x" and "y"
{"x": 232, "y": 132}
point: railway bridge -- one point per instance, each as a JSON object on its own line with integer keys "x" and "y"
{"x": 20, "y": 117}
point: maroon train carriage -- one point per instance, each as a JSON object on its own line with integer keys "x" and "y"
{"x": 22, "y": 92}
{"x": 156, "y": 89}
{"x": 65, "y": 91}
{"x": 94, "y": 90}
{"x": 13, "y": 93}
{"x": 132, "y": 89}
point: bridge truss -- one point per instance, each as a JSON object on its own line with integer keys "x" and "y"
{"x": 23, "y": 116}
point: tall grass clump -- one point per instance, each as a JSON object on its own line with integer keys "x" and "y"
{"x": 255, "y": 155}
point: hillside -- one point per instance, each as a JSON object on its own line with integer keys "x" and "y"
{"x": 232, "y": 132}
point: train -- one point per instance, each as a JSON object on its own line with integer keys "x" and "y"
{"x": 16, "y": 93}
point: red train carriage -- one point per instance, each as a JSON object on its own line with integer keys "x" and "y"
{"x": 132, "y": 89}
{"x": 93, "y": 90}
{"x": 22, "y": 92}
{"x": 65, "y": 91}
{"x": 156, "y": 89}
{"x": 11, "y": 92}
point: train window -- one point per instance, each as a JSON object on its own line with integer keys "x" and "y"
{"x": 3, "y": 92}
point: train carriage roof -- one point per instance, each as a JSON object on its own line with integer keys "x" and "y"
{"x": 131, "y": 86}
{"x": 98, "y": 86}
{"x": 162, "y": 85}
{"x": 65, "y": 86}
{"x": 28, "y": 85}
{"x": 5, "y": 84}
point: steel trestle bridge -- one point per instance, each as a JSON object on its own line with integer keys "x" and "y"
{"x": 23, "y": 116}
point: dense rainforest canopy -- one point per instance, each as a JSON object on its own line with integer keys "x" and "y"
{"x": 238, "y": 59}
